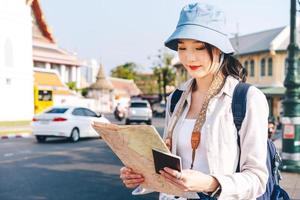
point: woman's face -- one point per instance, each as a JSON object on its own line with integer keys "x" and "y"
{"x": 195, "y": 58}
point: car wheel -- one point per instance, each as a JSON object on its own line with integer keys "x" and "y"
{"x": 75, "y": 135}
{"x": 149, "y": 122}
{"x": 40, "y": 139}
{"x": 127, "y": 121}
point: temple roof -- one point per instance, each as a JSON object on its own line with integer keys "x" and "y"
{"x": 49, "y": 79}
{"x": 45, "y": 49}
{"x": 40, "y": 20}
{"x": 125, "y": 87}
{"x": 102, "y": 83}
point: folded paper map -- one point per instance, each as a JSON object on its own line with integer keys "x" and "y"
{"x": 133, "y": 144}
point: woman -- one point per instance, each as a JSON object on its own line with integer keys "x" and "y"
{"x": 203, "y": 133}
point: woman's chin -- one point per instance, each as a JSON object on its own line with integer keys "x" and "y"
{"x": 198, "y": 75}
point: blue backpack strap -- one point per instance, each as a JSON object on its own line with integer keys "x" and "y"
{"x": 174, "y": 99}
{"x": 239, "y": 102}
{"x": 238, "y": 106}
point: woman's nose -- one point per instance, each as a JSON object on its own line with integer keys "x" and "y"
{"x": 190, "y": 56}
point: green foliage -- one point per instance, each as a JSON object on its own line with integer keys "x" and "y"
{"x": 146, "y": 83}
{"x": 126, "y": 71}
{"x": 72, "y": 85}
{"x": 164, "y": 73}
{"x": 84, "y": 92}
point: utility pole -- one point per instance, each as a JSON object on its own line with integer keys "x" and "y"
{"x": 291, "y": 103}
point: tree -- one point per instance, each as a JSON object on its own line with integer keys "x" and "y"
{"x": 164, "y": 72}
{"x": 126, "y": 71}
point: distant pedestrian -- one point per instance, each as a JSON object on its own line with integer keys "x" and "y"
{"x": 271, "y": 127}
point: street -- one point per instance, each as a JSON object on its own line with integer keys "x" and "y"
{"x": 58, "y": 169}
{"x": 86, "y": 170}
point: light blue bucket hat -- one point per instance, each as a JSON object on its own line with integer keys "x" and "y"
{"x": 204, "y": 23}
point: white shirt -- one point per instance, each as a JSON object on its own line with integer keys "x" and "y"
{"x": 184, "y": 149}
{"x": 221, "y": 147}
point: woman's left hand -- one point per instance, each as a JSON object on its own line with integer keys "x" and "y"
{"x": 190, "y": 180}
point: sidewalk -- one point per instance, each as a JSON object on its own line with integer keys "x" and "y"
{"x": 21, "y": 131}
{"x": 291, "y": 183}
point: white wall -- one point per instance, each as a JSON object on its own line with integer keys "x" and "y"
{"x": 16, "y": 80}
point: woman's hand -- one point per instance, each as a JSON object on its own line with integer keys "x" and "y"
{"x": 168, "y": 143}
{"x": 190, "y": 180}
{"x": 130, "y": 178}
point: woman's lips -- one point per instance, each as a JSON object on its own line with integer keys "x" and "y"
{"x": 194, "y": 67}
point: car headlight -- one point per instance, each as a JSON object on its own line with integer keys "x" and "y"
{"x": 132, "y": 112}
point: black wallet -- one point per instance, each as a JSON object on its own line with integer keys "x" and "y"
{"x": 162, "y": 159}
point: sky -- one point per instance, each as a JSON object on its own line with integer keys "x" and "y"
{"x": 115, "y": 32}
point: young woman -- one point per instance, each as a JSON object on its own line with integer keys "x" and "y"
{"x": 201, "y": 129}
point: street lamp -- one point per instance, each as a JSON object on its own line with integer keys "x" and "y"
{"x": 291, "y": 104}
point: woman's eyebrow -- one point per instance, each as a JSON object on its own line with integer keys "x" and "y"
{"x": 197, "y": 42}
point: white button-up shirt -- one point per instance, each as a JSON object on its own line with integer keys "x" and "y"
{"x": 221, "y": 143}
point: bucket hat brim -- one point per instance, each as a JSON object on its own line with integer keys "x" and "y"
{"x": 200, "y": 33}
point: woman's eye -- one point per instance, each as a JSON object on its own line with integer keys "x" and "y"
{"x": 181, "y": 48}
{"x": 200, "y": 48}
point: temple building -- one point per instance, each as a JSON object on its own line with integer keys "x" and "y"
{"x": 102, "y": 91}
{"x": 46, "y": 52}
{"x": 16, "y": 68}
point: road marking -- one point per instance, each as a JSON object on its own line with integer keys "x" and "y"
{"x": 8, "y": 154}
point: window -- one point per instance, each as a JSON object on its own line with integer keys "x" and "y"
{"x": 8, "y": 54}
{"x": 246, "y": 66}
{"x": 45, "y": 95}
{"x": 57, "y": 110}
{"x": 138, "y": 105}
{"x": 39, "y": 64}
{"x": 263, "y": 67}
{"x": 78, "y": 112}
{"x": 270, "y": 67}
{"x": 56, "y": 67}
{"x": 89, "y": 113}
{"x": 252, "y": 74}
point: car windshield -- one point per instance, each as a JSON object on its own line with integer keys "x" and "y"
{"x": 138, "y": 105}
{"x": 57, "y": 110}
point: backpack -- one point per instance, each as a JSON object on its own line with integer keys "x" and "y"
{"x": 239, "y": 102}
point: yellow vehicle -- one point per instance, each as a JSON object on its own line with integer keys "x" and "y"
{"x": 43, "y": 98}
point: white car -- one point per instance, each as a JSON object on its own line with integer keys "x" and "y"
{"x": 68, "y": 121}
{"x": 139, "y": 111}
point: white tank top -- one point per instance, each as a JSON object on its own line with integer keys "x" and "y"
{"x": 184, "y": 148}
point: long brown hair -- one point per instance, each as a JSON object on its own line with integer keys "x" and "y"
{"x": 230, "y": 66}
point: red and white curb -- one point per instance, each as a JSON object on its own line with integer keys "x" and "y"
{"x": 19, "y": 135}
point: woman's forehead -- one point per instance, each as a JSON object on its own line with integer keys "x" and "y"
{"x": 189, "y": 41}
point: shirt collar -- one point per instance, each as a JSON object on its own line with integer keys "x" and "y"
{"x": 229, "y": 85}
{"x": 228, "y": 88}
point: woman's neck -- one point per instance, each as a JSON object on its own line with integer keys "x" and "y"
{"x": 202, "y": 84}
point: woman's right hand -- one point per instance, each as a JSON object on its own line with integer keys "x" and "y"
{"x": 130, "y": 178}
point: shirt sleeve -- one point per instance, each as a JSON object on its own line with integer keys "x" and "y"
{"x": 251, "y": 181}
